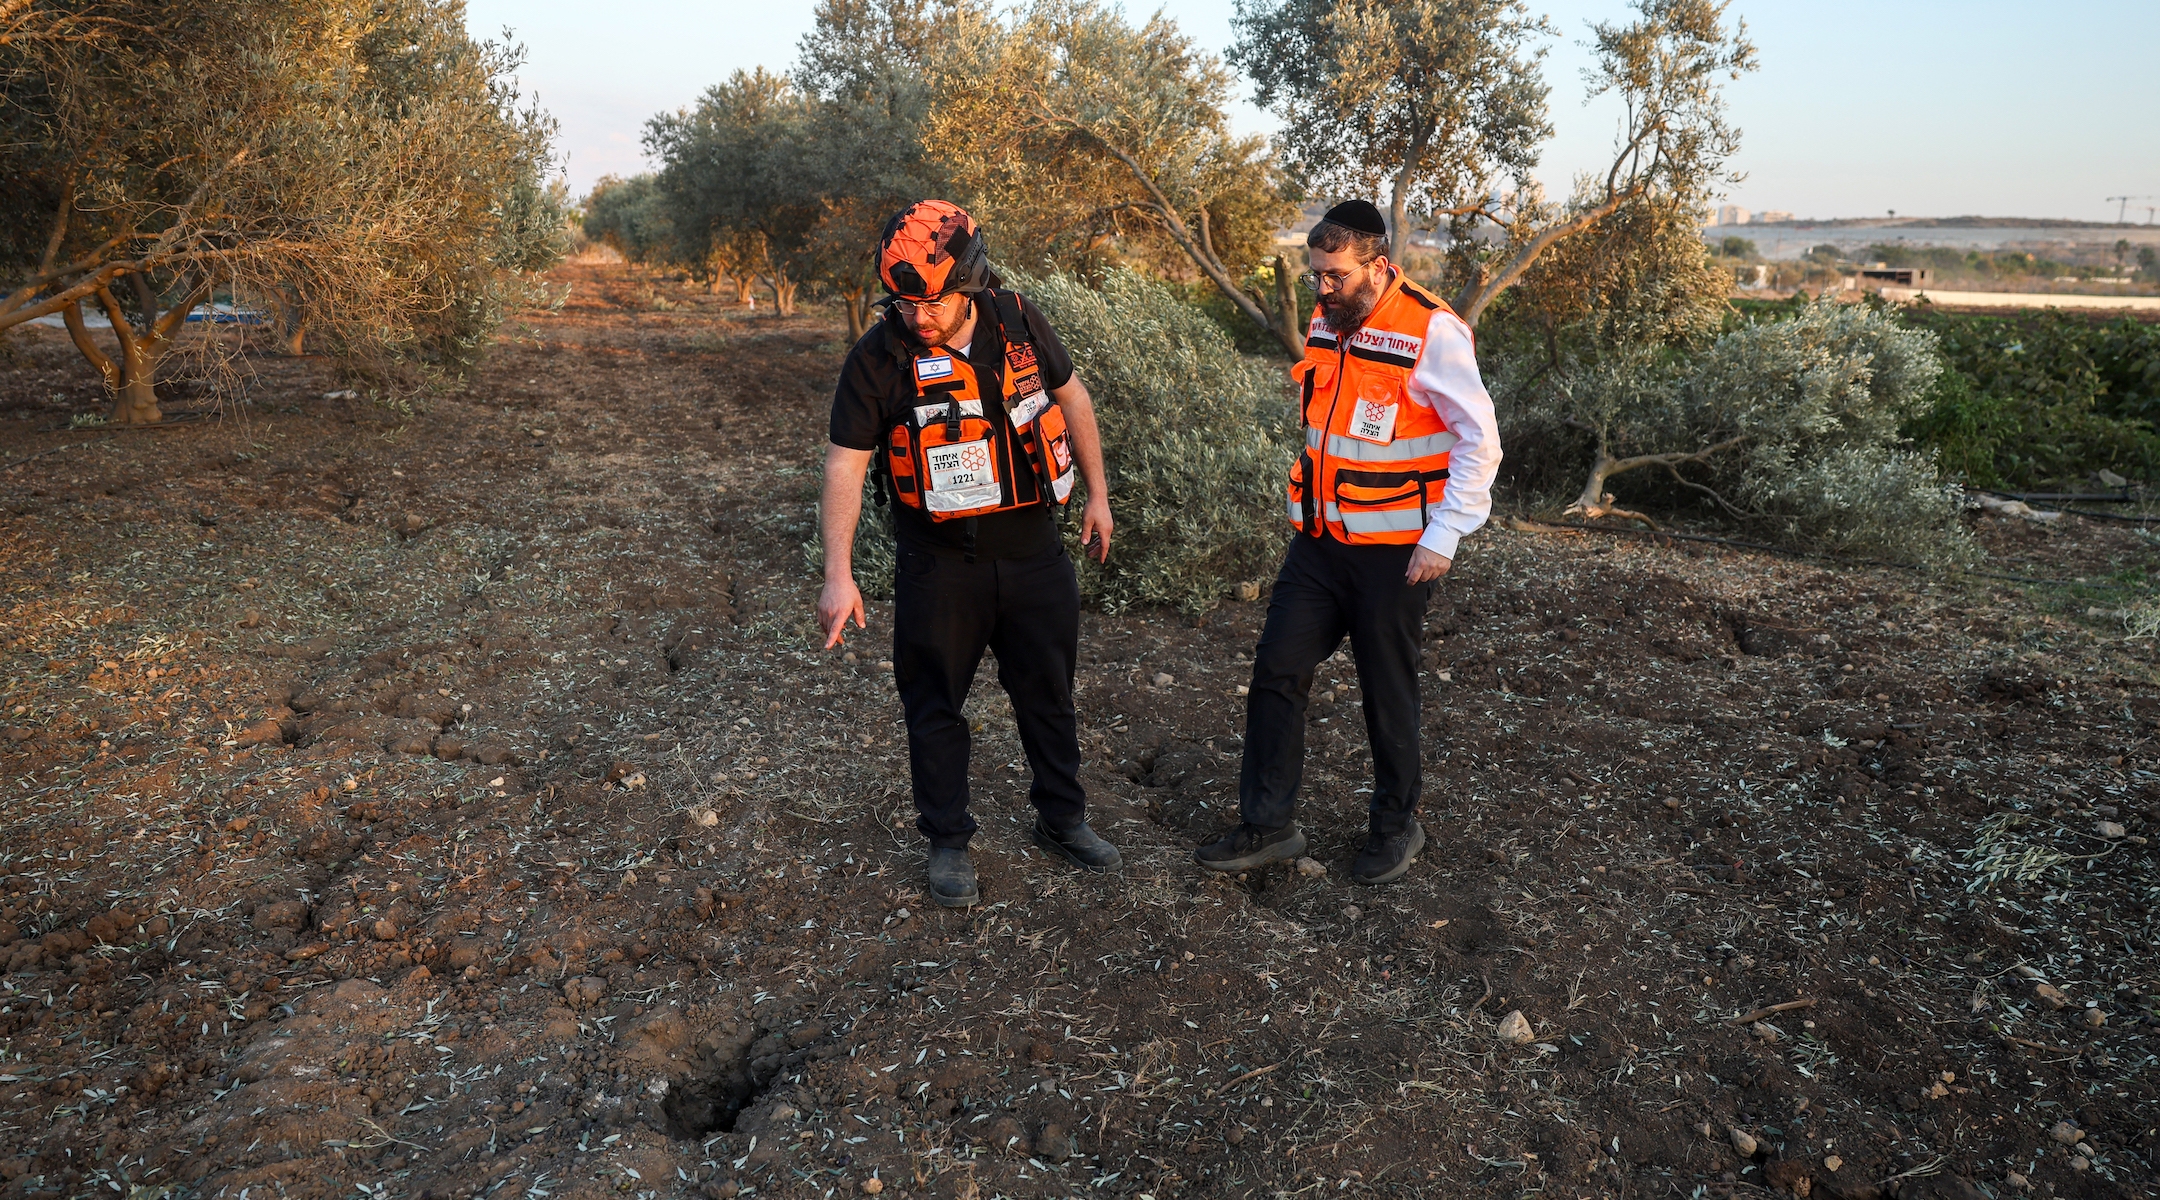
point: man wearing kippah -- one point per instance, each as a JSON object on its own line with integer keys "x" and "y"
{"x": 1397, "y": 466}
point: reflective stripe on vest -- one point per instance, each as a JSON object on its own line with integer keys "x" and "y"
{"x": 1382, "y": 520}
{"x": 1359, "y": 450}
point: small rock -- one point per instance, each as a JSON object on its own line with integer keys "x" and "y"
{"x": 585, "y": 991}
{"x": 2052, "y": 994}
{"x": 1832, "y": 1163}
{"x": 386, "y": 930}
{"x": 1352, "y": 912}
{"x": 1742, "y": 1141}
{"x": 1312, "y": 868}
{"x": 1248, "y": 590}
{"x": 2066, "y": 1133}
{"x": 872, "y": 1186}
{"x": 260, "y": 733}
{"x": 1164, "y": 679}
{"x": 884, "y": 664}
{"x": 785, "y": 1112}
{"x": 281, "y": 914}
{"x": 2109, "y": 478}
{"x": 704, "y": 817}
{"x": 636, "y": 780}
{"x": 2017, "y": 1181}
{"x": 850, "y": 657}
{"x": 1053, "y": 1144}
{"x": 251, "y": 619}
{"x": 1764, "y": 1031}
{"x": 2079, "y": 1162}
{"x": 1704, "y": 1128}
{"x": 1514, "y": 1029}
{"x": 2094, "y": 1018}
{"x": 2110, "y": 830}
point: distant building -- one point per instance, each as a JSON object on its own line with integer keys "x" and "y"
{"x": 1881, "y": 276}
{"x": 1732, "y": 214}
{"x": 1772, "y": 216}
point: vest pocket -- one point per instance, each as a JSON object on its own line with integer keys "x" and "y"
{"x": 900, "y": 465}
{"x": 1379, "y": 489}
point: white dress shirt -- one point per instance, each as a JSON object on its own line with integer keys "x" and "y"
{"x": 1446, "y": 381}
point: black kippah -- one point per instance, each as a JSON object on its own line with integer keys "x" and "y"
{"x": 1358, "y": 215}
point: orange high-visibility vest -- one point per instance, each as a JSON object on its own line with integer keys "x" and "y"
{"x": 1375, "y": 462}
{"x": 951, "y": 459}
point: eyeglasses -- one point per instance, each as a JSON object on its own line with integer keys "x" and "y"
{"x": 1333, "y": 280}
{"x": 909, "y": 308}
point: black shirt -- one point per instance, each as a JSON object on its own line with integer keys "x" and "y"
{"x": 877, "y": 391}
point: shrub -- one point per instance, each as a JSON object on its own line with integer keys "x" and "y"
{"x": 2042, "y": 399}
{"x": 1197, "y": 441}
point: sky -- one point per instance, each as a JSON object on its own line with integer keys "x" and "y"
{"x": 1861, "y": 107}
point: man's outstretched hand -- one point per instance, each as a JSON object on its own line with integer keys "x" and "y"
{"x": 839, "y": 600}
{"x": 1425, "y": 566}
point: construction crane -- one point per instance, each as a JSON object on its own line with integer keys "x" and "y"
{"x": 2123, "y": 205}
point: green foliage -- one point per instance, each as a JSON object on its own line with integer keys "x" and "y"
{"x": 1240, "y": 329}
{"x": 628, "y": 214}
{"x": 1792, "y": 426}
{"x": 2041, "y": 400}
{"x": 1197, "y": 441}
{"x": 1738, "y": 247}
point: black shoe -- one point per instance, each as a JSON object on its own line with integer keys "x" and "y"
{"x": 1083, "y": 846}
{"x": 952, "y": 878}
{"x": 1386, "y": 858}
{"x": 1249, "y": 846}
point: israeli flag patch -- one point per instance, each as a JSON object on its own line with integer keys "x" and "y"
{"x": 933, "y": 368}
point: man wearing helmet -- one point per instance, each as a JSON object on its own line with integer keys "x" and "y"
{"x": 964, "y": 403}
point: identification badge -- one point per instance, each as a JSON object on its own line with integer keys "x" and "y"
{"x": 959, "y": 466}
{"x": 927, "y": 415}
{"x": 1373, "y": 422}
{"x": 1029, "y": 408}
{"x": 933, "y": 368}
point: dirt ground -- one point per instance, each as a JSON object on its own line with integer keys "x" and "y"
{"x": 458, "y": 803}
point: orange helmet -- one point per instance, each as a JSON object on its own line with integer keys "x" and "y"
{"x": 930, "y": 248}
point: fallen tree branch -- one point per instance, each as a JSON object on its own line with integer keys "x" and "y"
{"x": 1771, "y": 1011}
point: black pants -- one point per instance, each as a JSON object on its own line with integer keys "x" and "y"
{"x": 1325, "y": 590}
{"x": 945, "y": 612}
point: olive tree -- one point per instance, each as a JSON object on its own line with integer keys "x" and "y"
{"x": 1444, "y": 104}
{"x": 362, "y": 161}
{"x": 1070, "y": 126}
{"x": 1790, "y": 425}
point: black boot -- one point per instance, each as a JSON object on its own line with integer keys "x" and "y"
{"x": 952, "y": 878}
{"x": 1083, "y": 846}
{"x": 1250, "y": 846}
{"x": 1387, "y": 857}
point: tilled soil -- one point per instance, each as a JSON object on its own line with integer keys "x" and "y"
{"x": 458, "y": 803}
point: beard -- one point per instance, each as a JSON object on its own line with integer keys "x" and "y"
{"x": 941, "y": 330}
{"x": 1346, "y": 309}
